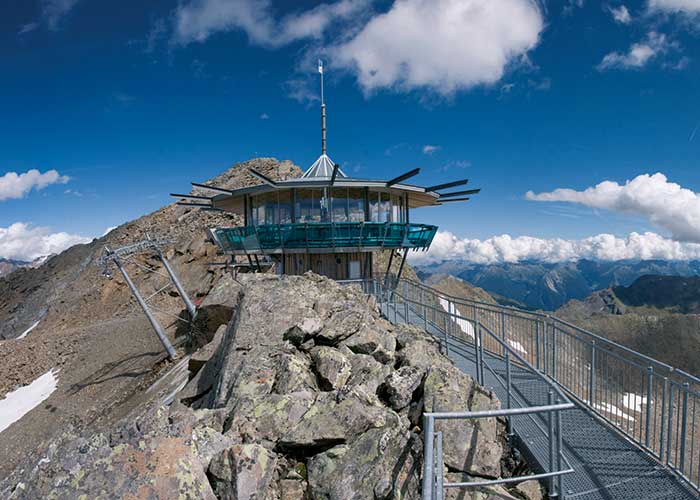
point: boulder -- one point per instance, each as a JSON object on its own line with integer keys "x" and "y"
{"x": 341, "y": 325}
{"x": 530, "y": 490}
{"x": 370, "y": 340}
{"x": 243, "y": 472}
{"x": 335, "y": 418}
{"x": 495, "y": 492}
{"x": 365, "y": 468}
{"x": 471, "y": 446}
{"x": 332, "y": 367}
{"x": 399, "y": 386}
{"x": 304, "y": 330}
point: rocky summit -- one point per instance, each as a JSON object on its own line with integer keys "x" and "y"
{"x": 306, "y": 392}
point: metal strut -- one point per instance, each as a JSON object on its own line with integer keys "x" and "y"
{"x": 110, "y": 256}
{"x": 154, "y": 322}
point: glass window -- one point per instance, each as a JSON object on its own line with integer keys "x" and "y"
{"x": 356, "y": 205}
{"x": 340, "y": 205}
{"x": 384, "y": 207}
{"x": 395, "y": 208}
{"x": 374, "y": 206}
{"x": 311, "y": 205}
{"x": 269, "y": 208}
{"x": 285, "y": 207}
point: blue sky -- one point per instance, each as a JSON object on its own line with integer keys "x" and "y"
{"x": 132, "y": 102}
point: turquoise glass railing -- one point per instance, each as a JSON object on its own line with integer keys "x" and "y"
{"x": 279, "y": 237}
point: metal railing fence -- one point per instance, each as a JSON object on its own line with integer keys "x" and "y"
{"x": 405, "y": 309}
{"x": 653, "y": 404}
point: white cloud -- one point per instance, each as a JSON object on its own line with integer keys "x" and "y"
{"x": 621, "y": 14}
{"x": 54, "y": 10}
{"x": 264, "y": 116}
{"x": 639, "y": 54}
{"x": 429, "y": 149}
{"x": 505, "y": 248}
{"x": 442, "y": 45}
{"x": 14, "y": 185}
{"x": 665, "y": 204}
{"x": 196, "y": 20}
{"x": 20, "y": 241}
{"x": 675, "y": 6}
{"x": 27, "y": 28}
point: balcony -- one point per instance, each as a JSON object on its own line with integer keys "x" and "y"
{"x": 323, "y": 237}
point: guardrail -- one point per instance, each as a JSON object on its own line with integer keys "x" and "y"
{"x": 653, "y": 404}
{"x": 322, "y": 235}
{"x": 482, "y": 336}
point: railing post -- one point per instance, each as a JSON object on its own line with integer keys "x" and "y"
{"x": 647, "y": 425}
{"x": 669, "y": 427}
{"x": 503, "y": 331}
{"x": 425, "y": 312}
{"x": 545, "y": 346}
{"x": 560, "y": 452}
{"x": 537, "y": 344}
{"x": 439, "y": 487}
{"x": 591, "y": 379}
{"x": 509, "y": 424}
{"x": 552, "y": 488}
{"x": 684, "y": 426}
{"x": 554, "y": 350}
{"x": 428, "y": 458}
{"x": 664, "y": 390}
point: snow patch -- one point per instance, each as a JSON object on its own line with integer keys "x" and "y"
{"x": 18, "y": 403}
{"x": 517, "y": 346}
{"x": 26, "y": 332}
{"x": 463, "y": 324}
{"x": 633, "y": 401}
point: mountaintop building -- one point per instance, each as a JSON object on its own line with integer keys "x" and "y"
{"x": 325, "y": 221}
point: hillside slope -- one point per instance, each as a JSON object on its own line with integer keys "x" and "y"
{"x": 89, "y": 328}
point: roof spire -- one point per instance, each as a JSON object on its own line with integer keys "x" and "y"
{"x": 323, "y": 111}
{"x": 324, "y": 166}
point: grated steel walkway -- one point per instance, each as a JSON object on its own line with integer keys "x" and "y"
{"x": 607, "y": 465}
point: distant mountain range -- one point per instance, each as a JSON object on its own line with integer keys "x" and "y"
{"x": 9, "y": 265}
{"x": 537, "y": 285}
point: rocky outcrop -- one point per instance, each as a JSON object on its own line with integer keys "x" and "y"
{"x": 306, "y": 393}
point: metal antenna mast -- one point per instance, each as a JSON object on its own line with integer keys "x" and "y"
{"x": 323, "y": 111}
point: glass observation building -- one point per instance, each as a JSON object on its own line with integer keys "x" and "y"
{"x": 325, "y": 221}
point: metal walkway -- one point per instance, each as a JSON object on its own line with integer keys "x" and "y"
{"x": 607, "y": 464}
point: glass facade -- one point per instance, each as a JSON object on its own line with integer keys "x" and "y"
{"x": 331, "y": 204}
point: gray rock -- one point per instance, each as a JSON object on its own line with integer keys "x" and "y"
{"x": 332, "y": 367}
{"x": 370, "y": 340}
{"x": 243, "y": 472}
{"x": 294, "y": 373}
{"x": 364, "y": 469}
{"x": 530, "y": 490}
{"x": 342, "y": 324}
{"x": 470, "y": 446}
{"x": 366, "y": 372}
{"x": 399, "y": 386}
{"x": 486, "y": 493}
{"x": 304, "y": 330}
{"x": 335, "y": 419}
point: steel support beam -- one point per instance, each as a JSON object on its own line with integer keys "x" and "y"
{"x": 180, "y": 289}
{"x": 154, "y": 322}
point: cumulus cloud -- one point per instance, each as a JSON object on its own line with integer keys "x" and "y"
{"x": 505, "y": 248}
{"x": 675, "y": 6}
{"x": 621, "y": 14}
{"x": 14, "y": 185}
{"x": 665, "y": 204}
{"x": 196, "y": 20}
{"x": 21, "y": 241}
{"x": 442, "y": 45}
{"x": 54, "y": 10}
{"x": 639, "y": 54}
{"x": 429, "y": 149}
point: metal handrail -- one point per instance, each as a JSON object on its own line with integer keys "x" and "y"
{"x": 654, "y": 405}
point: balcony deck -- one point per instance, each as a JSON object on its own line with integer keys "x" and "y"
{"x": 323, "y": 237}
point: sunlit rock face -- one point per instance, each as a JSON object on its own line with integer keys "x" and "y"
{"x": 306, "y": 392}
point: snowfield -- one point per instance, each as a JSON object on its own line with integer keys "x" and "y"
{"x": 18, "y": 403}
